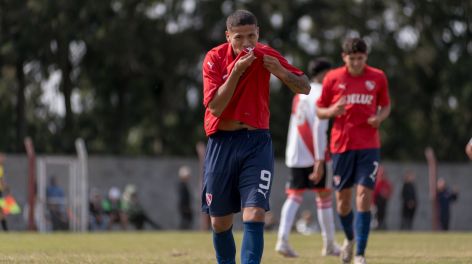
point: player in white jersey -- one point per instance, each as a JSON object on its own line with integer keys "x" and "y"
{"x": 306, "y": 153}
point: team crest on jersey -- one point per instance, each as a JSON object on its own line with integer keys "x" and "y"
{"x": 370, "y": 85}
{"x": 210, "y": 64}
{"x": 337, "y": 180}
{"x": 209, "y": 198}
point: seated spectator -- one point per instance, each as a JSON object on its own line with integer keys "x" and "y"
{"x": 114, "y": 209}
{"x": 134, "y": 210}
{"x": 98, "y": 219}
{"x": 56, "y": 205}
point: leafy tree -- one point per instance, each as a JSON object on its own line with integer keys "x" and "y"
{"x": 131, "y": 70}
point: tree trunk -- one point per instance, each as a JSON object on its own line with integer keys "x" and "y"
{"x": 66, "y": 89}
{"x": 20, "y": 106}
{"x": 121, "y": 117}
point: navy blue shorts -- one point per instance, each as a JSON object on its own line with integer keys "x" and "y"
{"x": 238, "y": 171}
{"x": 355, "y": 167}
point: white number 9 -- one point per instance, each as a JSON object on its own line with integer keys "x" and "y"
{"x": 265, "y": 177}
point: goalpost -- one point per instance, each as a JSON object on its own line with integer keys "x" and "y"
{"x": 72, "y": 171}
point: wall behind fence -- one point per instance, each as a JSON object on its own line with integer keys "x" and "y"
{"x": 156, "y": 179}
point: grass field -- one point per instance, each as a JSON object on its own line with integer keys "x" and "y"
{"x": 196, "y": 248}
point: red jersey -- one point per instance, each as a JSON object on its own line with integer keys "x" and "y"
{"x": 363, "y": 94}
{"x": 250, "y": 101}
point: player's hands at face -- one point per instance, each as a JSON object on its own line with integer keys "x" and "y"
{"x": 338, "y": 108}
{"x": 244, "y": 62}
{"x": 374, "y": 121}
{"x": 318, "y": 171}
{"x": 272, "y": 64}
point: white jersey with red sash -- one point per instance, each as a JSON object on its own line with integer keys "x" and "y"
{"x": 307, "y": 134}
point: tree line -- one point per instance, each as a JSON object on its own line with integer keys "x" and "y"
{"x": 128, "y": 72}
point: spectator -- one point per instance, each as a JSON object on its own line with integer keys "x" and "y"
{"x": 382, "y": 193}
{"x": 444, "y": 198}
{"x": 98, "y": 219}
{"x": 200, "y": 147}
{"x": 185, "y": 208}
{"x": 134, "y": 210}
{"x": 114, "y": 209}
{"x": 409, "y": 201}
{"x": 56, "y": 205}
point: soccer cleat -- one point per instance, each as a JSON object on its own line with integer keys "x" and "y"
{"x": 332, "y": 250}
{"x": 359, "y": 260}
{"x": 284, "y": 249}
{"x": 347, "y": 251}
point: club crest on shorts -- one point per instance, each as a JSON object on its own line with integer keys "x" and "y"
{"x": 209, "y": 198}
{"x": 337, "y": 180}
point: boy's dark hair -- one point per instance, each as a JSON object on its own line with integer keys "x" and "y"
{"x": 240, "y": 18}
{"x": 317, "y": 66}
{"x": 354, "y": 45}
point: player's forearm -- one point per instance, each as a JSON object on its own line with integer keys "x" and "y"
{"x": 320, "y": 137}
{"x": 298, "y": 84}
{"x": 222, "y": 97}
{"x": 323, "y": 112}
{"x": 384, "y": 112}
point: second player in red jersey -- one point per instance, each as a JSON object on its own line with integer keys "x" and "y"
{"x": 356, "y": 97}
{"x": 362, "y": 95}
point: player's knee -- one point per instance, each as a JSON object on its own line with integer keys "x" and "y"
{"x": 221, "y": 224}
{"x": 253, "y": 214}
{"x": 219, "y": 227}
{"x": 363, "y": 198}
{"x": 324, "y": 202}
{"x": 343, "y": 207}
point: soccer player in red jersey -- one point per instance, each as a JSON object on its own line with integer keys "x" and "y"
{"x": 239, "y": 157}
{"x": 356, "y": 96}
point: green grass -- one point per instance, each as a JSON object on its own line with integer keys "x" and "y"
{"x": 196, "y": 248}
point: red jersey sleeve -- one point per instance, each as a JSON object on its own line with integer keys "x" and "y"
{"x": 383, "y": 96}
{"x": 326, "y": 95}
{"x": 272, "y": 52}
{"x": 212, "y": 77}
